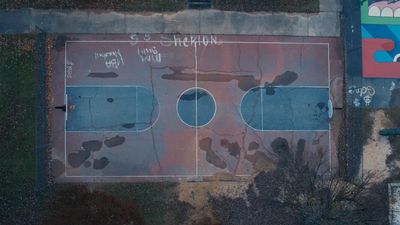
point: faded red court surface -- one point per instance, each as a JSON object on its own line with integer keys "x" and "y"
{"x": 115, "y": 82}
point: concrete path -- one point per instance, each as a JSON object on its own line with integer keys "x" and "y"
{"x": 325, "y": 23}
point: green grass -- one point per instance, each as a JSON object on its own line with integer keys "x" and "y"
{"x": 151, "y": 198}
{"x": 118, "y": 5}
{"x": 18, "y": 87}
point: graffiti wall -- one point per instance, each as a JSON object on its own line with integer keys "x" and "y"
{"x": 380, "y": 21}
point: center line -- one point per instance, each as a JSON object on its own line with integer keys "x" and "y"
{"x": 195, "y": 84}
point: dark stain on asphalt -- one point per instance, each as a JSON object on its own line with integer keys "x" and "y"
{"x": 211, "y": 156}
{"x": 110, "y": 100}
{"x": 245, "y": 82}
{"x": 233, "y": 148}
{"x": 193, "y": 96}
{"x": 76, "y": 159}
{"x": 301, "y": 145}
{"x": 87, "y": 164}
{"x": 103, "y": 75}
{"x": 253, "y": 146}
{"x": 269, "y": 90}
{"x": 99, "y": 164}
{"x": 128, "y": 125}
{"x": 92, "y": 145}
{"x": 205, "y": 144}
{"x": 281, "y": 147}
{"x": 285, "y": 78}
{"x": 395, "y": 98}
{"x": 322, "y": 106}
{"x": 60, "y": 42}
{"x": 114, "y": 141}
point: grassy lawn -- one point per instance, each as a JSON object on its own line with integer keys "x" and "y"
{"x": 302, "y": 6}
{"x": 18, "y": 87}
{"x": 118, "y": 5}
{"x": 151, "y": 198}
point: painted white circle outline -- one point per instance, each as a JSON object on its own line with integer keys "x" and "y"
{"x": 159, "y": 109}
{"x": 396, "y": 57}
{"x": 240, "y": 109}
{"x": 196, "y": 88}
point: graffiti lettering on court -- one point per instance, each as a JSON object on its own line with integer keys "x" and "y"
{"x": 112, "y": 59}
{"x": 193, "y": 40}
{"x": 362, "y": 95}
{"x": 178, "y": 40}
{"x": 68, "y": 69}
{"x": 149, "y": 54}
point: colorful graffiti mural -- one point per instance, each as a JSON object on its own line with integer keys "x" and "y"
{"x": 380, "y": 21}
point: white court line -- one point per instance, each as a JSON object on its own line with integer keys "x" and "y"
{"x": 107, "y": 131}
{"x": 66, "y": 106}
{"x": 221, "y": 42}
{"x": 200, "y": 42}
{"x": 129, "y": 131}
{"x": 329, "y": 82}
{"x": 65, "y": 121}
{"x": 136, "y": 108}
{"x": 105, "y": 85}
{"x": 197, "y": 129}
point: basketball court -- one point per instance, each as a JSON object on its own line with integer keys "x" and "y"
{"x": 167, "y": 107}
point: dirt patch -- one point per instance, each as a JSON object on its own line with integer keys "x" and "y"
{"x": 114, "y": 141}
{"x": 393, "y": 113}
{"x": 76, "y": 159}
{"x": 199, "y": 194}
{"x": 377, "y": 148}
{"x": 103, "y": 75}
{"x": 92, "y": 146}
{"x": 260, "y": 161}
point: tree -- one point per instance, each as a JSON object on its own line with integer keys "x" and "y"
{"x": 297, "y": 193}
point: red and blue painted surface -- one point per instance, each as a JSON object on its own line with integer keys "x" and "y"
{"x": 380, "y": 21}
{"x": 151, "y": 107}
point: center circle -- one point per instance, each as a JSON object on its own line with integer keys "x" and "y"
{"x": 196, "y": 107}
